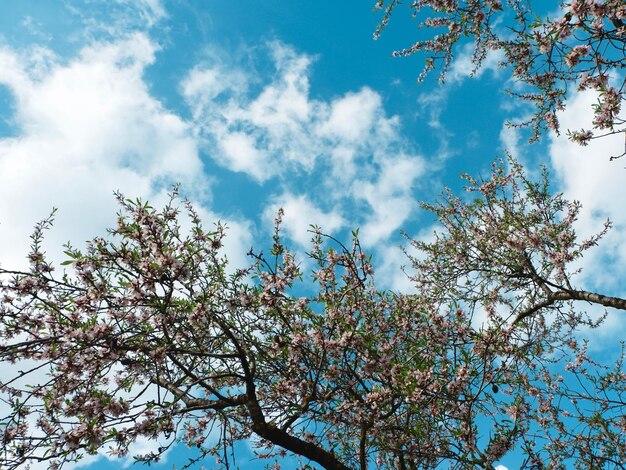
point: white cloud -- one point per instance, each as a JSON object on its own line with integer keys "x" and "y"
{"x": 390, "y": 197}
{"x": 278, "y": 129}
{"x": 462, "y": 67}
{"x": 152, "y": 9}
{"x": 352, "y": 117}
{"x": 346, "y": 150}
{"x": 389, "y": 272}
{"x": 283, "y": 106}
{"x": 240, "y": 151}
{"x": 276, "y": 122}
{"x": 110, "y": 19}
{"x": 85, "y": 128}
{"x": 431, "y": 106}
{"x": 510, "y": 140}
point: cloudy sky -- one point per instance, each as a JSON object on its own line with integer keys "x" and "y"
{"x": 253, "y": 106}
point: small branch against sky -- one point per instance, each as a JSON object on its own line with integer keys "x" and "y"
{"x": 579, "y": 45}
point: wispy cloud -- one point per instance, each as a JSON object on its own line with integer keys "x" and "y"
{"x": 390, "y": 197}
{"x": 432, "y": 105}
{"x": 463, "y": 67}
{"x": 346, "y": 150}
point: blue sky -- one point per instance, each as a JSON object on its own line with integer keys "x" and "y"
{"x": 253, "y": 106}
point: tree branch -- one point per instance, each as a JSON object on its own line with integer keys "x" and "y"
{"x": 565, "y": 295}
{"x": 293, "y": 444}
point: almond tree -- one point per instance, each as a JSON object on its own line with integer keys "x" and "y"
{"x": 583, "y": 46}
{"x": 148, "y": 334}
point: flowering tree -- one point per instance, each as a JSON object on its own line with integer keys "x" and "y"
{"x": 149, "y": 335}
{"x": 583, "y": 45}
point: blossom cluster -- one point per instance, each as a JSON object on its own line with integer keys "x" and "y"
{"x": 580, "y": 48}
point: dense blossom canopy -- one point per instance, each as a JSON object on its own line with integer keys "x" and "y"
{"x": 149, "y": 334}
